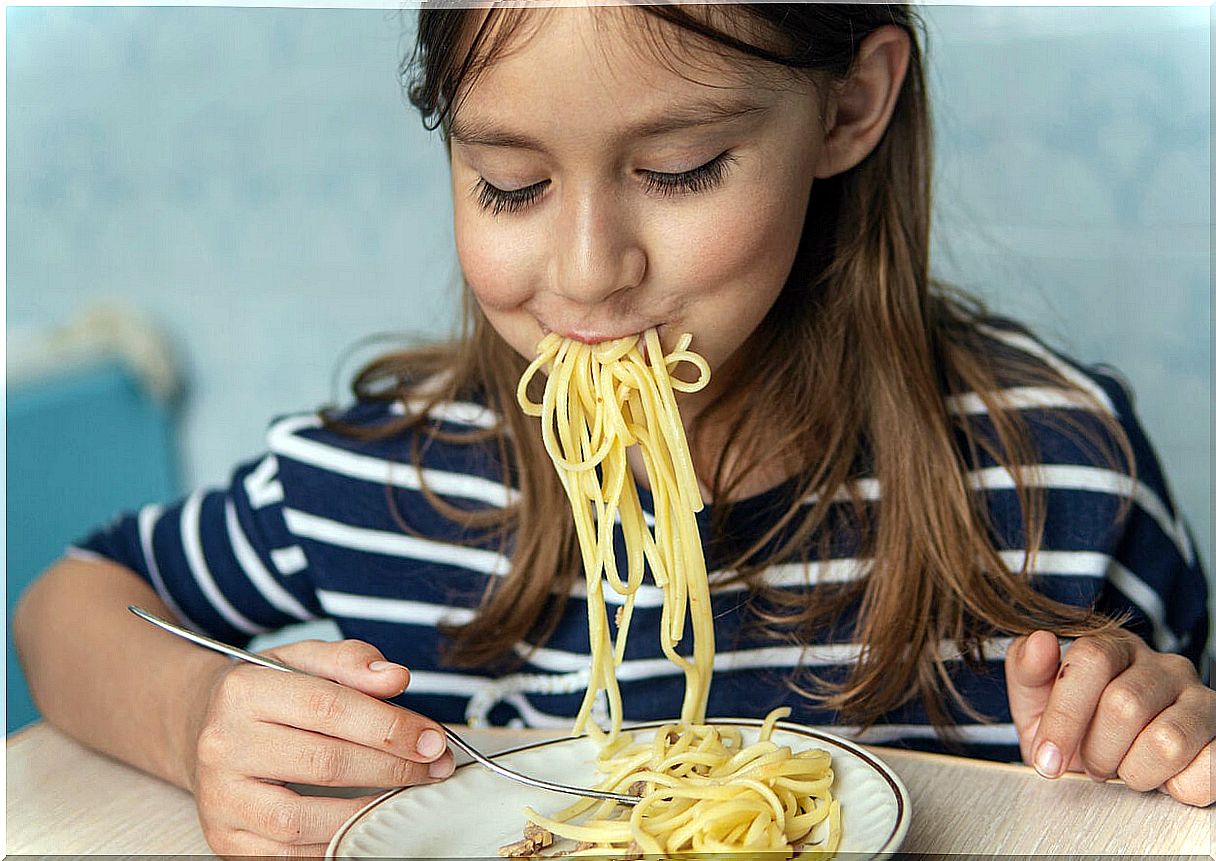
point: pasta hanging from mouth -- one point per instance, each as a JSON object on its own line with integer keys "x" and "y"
{"x": 599, "y": 400}
{"x": 701, "y": 788}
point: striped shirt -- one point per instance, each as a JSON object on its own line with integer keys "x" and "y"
{"x": 306, "y": 532}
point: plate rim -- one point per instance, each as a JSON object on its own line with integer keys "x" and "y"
{"x": 903, "y": 802}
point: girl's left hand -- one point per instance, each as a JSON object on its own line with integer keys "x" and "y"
{"x": 1113, "y": 708}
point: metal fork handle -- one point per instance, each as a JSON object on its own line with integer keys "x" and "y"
{"x": 478, "y": 756}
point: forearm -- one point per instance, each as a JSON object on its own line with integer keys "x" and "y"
{"x": 106, "y": 678}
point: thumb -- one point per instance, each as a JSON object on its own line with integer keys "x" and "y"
{"x": 1030, "y": 673}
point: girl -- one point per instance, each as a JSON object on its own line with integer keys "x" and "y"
{"x": 909, "y": 503}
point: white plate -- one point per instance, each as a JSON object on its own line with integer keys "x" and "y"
{"x": 473, "y": 812}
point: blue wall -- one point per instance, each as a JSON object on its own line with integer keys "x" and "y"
{"x": 255, "y": 180}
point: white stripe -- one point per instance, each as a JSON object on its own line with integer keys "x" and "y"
{"x": 1029, "y": 345}
{"x": 193, "y": 546}
{"x": 262, "y": 486}
{"x": 1057, "y": 477}
{"x": 1072, "y": 477}
{"x": 651, "y": 597}
{"x": 289, "y": 560}
{"x": 868, "y": 489}
{"x": 846, "y": 570}
{"x": 453, "y": 412}
{"x": 988, "y": 734}
{"x": 785, "y": 575}
{"x": 275, "y": 595}
{"x": 1147, "y": 600}
{"x": 394, "y": 544}
{"x": 534, "y": 717}
{"x": 397, "y": 610}
{"x": 477, "y": 709}
{"x": 484, "y": 693}
{"x": 148, "y": 515}
{"x": 1070, "y": 563}
{"x": 1018, "y": 398}
{"x": 283, "y": 441}
{"x": 450, "y": 684}
{"x": 561, "y": 661}
{"x": 646, "y": 516}
{"x": 74, "y": 552}
{"x": 996, "y": 733}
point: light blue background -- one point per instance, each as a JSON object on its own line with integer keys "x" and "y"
{"x": 257, "y": 182}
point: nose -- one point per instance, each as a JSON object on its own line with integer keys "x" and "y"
{"x": 596, "y": 250}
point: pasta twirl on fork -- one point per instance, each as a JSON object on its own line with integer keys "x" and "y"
{"x": 701, "y": 788}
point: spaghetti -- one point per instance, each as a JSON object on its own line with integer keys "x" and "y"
{"x": 701, "y": 788}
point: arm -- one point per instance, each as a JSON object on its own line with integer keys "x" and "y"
{"x": 106, "y": 678}
{"x": 230, "y": 733}
{"x": 234, "y": 735}
{"x": 1134, "y": 707}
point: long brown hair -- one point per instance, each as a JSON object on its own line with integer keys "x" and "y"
{"x": 849, "y": 376}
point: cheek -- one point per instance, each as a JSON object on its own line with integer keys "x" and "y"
{"x": 499, "y": 276}
{"x": 745, "y": 249}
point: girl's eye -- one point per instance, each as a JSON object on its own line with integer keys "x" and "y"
{"x": 709, "y": 175}
{"x": 497, "y": 200}
{"x": 703, "y": 178}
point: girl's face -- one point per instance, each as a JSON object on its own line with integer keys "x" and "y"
{"x": 598, "y": 192}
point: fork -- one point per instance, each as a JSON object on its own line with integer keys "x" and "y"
{"x": 478, "y": 756}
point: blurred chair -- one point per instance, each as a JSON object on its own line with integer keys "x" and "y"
{"x": 90, "y": 423}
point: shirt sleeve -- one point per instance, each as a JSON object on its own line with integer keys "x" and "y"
{"x": 223, "y": 561}
{"x": 1155, "y": 574}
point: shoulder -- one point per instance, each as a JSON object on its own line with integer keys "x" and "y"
{"x": 1087, "y": 448}
{"x": 1075, "y": 413}
{"x": 324, "y": 457}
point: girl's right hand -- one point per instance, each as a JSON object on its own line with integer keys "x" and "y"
{"x": 258, "y": 729}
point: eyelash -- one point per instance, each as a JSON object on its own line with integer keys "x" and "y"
{"x": 695, "y": 181}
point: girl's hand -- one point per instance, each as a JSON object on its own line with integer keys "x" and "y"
{"x": 1113, "y": 708}
{"x": 258, "y": 729}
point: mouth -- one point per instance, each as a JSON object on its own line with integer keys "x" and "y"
{"x": 599, "y": 336}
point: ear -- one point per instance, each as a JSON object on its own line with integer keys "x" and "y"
{"x": 861, "y": 106}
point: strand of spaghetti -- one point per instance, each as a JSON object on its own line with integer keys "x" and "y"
{"x": 669, "y": 419}
{"x": 602, "y": 832}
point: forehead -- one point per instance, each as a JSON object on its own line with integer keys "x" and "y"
{"x": 617, "y": 58}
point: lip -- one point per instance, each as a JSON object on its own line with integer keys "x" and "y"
{"x": 598, "y": 336}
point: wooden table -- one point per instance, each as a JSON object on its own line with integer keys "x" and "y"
{"x": 66, "y": 800}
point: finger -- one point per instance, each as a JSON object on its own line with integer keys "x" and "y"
{"x": 294, "y": 755}
{"x": 253, "y": 847}
{"x": 332, "y": 709}
{"x": 1127, "y": 705}
{"x": 1171, "y": 741}
{"x": 279, "y": 815}
{"x": 1195, "y": 783}
{"x": 1030, "y": 672}
{"x": 1089, "y": 666}
{"x": 352, "y": 663}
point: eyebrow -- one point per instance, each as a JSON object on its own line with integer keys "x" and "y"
{"x": 702, "y": 112}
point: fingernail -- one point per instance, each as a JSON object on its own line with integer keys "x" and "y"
{"x": 381, "y": 666}
{"x": 1047, "y": 761}
{"x": 441, "y": 768}
{"x": 430, "y": 743}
